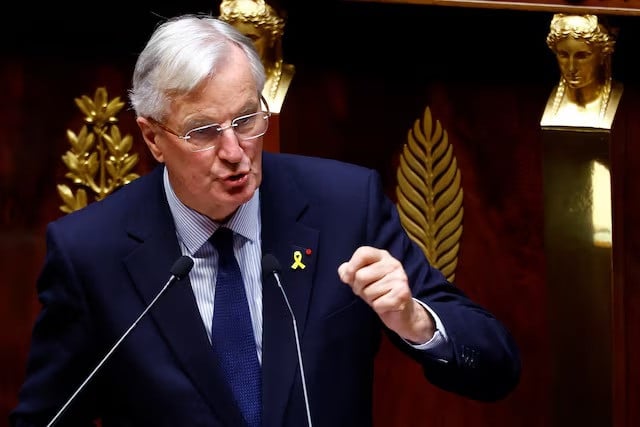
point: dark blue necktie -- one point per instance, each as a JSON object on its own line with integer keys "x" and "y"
{"x": 232, "y": 334}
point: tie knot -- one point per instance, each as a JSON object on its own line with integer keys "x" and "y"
{"x": 222, "y": 240}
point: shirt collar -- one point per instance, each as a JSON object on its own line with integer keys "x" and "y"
{"x": 194, "y": 229}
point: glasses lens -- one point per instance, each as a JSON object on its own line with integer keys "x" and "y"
{"x": 251, "y": 126}
{"x": 204, "y": 136}
{"x": 245, "y": 127}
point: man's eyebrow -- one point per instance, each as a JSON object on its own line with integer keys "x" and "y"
{"x": 197, "y": 121}
{"x": 202, "y": 119}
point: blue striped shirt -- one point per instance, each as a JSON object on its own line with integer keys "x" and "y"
{"x": 193, "y": 231}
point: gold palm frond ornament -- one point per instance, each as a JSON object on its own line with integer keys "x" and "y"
{"x": 430, "y": 195}
{"x": 99, "y": 158}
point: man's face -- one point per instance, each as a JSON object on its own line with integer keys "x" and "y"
{"x": 579, "y": 63}
{"x": 217, "y": 181}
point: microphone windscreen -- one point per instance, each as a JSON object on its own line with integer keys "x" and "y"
{"x": 270, "y": 265}
{"x": 182, "y": 266}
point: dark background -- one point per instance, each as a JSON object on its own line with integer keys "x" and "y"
{"x": 364, "y": 73}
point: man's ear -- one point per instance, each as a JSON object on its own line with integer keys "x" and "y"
{"x": 149, "y": 133}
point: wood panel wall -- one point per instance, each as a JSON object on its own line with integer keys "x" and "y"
{"x": 365, "y": 73}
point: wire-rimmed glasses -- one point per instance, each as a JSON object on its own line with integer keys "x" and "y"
{"x": 247, "y": 127}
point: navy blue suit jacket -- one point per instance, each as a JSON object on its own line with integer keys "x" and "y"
{"x": 106, "y": 263}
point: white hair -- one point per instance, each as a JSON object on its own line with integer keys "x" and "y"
{"x": 181, "y": 53}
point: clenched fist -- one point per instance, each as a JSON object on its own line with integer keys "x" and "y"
{"x": 380, "y": 280}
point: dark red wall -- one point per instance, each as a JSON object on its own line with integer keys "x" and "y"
{"x": 365, "y": 73}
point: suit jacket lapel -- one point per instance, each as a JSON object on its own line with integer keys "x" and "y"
{"x": 176, "y": 312}
{"x": 294, "y": 245}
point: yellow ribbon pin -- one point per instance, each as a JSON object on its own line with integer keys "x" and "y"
{"x": 297, "y": 261}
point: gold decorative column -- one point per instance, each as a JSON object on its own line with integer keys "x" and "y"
{"x": 576, "y": 131}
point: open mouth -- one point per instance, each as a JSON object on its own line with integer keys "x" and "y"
{"x": 237, "y": 181}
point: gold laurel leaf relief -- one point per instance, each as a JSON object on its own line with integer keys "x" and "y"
{"x": 99, "y": 159}
{"x": 429, "y": 194}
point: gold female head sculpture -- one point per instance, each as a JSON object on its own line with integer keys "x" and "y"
{"x": 255, "y": 19}
{"x": 261, "y": 23}
{"x": 583, "y": 47}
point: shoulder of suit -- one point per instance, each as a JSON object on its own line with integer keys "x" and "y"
{"x": 311, "y": 164}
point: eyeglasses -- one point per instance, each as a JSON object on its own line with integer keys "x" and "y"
{"x": 247, "y": 127}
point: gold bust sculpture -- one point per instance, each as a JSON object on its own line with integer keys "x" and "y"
{"x": 260, "y": 22}
{"x": 586, "y": 95}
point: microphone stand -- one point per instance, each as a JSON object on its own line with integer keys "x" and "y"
{"x": 183, "y": 265}
{"x": 299, "y": 351}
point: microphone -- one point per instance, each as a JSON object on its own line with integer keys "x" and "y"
{"x": 179, "y": 270}
{"x": 270, "y": 265}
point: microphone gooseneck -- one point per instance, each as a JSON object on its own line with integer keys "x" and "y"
{"x": 271, "y": 266}
{"x": 179, "y": 270}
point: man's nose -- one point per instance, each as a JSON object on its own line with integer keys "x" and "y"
{"x": 229, "y": 144}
